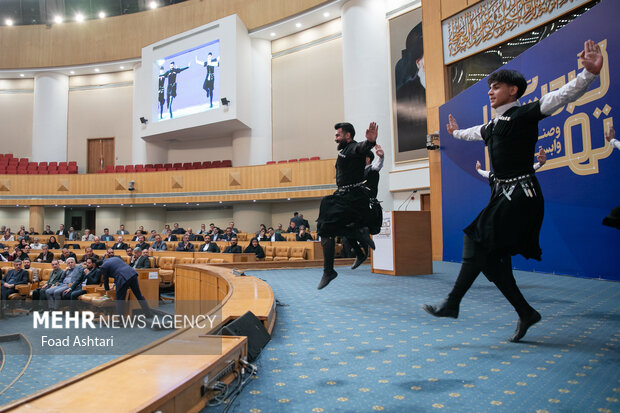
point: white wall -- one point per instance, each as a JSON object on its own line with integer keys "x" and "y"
{"x": 282, "y": 212}
{"x": 211, "y": 149}
{"x": 193, "y": 218}
{"x": 16, "y": 105}
{"x": 15, "y": 217}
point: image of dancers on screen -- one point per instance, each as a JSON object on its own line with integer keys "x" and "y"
{"x": 161, "y": 98}
{"x": 171, "y": 74}
{"x": 209, "y": 83}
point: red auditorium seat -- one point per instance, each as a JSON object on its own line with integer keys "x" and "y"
{"x": 8, "y": 155}
{"x": 216, "y": 164}
{"x": 139, "y": 168}
{"x": 293, "y": 160}
{"x": 168, "y": 165}
{"x": 271, "y": 163}
{"x": 64, "y": 164}
{"x": 52, "y": 164}
{"x": 43, "y": 164}
{"x": 101, "y": 171}
{"x": 130, "y": 168}
{"x": 108, "y": 169}
{"x": 22, "y": 160}
{"x": 149, "y": 165}
{"x": 282, "y": 161}
{"x": 11, "y": 171}
{"x": 52, "y": 172}
{"x": 303, "y": 159}
{"x": 158, "y": 165}
{"x": 119, "y": 168}
{"x": 42, "y": 169}
{"x": 161, "y": 169}
{"x": 151, "y": 170}
{"x": 206, "y": 164}
{"x": 187, "y": 165}
{"x": 33, "y": 172}
{"x": 227, "y": 163}
{"x": 72, "y": 163}
{"x": 197, "y": 165}
{"x": 63, "y": 170}
{"x": 2, "y": 170}
{"x": 315, "y": 158}
{"x": 72, "y": 169}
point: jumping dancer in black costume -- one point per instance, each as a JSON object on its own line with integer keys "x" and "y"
{"x": 172, "y": 83}
{"x": 209, "y": 82}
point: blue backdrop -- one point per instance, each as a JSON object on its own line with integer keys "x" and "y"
{"x": 581, "y": 181}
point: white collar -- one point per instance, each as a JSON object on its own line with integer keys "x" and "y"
{"x": 502, "y": 109}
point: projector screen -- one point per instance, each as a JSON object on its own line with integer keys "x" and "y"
{"x": 187, "y": 82}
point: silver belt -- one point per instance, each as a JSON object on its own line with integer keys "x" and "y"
{"x": 507, "y": 186}
{"x": 347, "y": 187}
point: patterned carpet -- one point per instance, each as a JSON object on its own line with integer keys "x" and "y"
{"x": 363, "y": 344}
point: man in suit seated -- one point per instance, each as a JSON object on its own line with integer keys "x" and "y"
{"x": 109, "y": 254}
{"x": 142, "y": 244}
{"x": 133, "y": 255}
{"x": 106, "y": 235}
{"x": 177, "y": 230}
{"x": 274, "y": 236}
{"x": 292, "y": 227}
{"x": 32, "y": 231}
{"x": 88, "y": 236}
{"x": 228, "y": 235}
{"x": 159, "y": 245}
{"x": 192, "y": 236}
{"x": 73, "y": 234}
{"x": 141, "y": 231}
{"x": 143, "y": 260}
{"x": 16, "y": 276}
{"x": 231, "y": 225}
{"x": 72, "y": 274}
{"x": 170, "y": 236}
{"x": 233, "y": 248}
{"x": 209, "y": 246}
{"x": 122, "y": 230}
{"x": 61, "y": 230}
{"x": 303, "y": 235}
{"x": 53, "y": 281}
{"x": 48, "y": 231}
{"x": 119, "y": 244}
{"x": 125, "y": 278}
{"x": 91, "y": 275}
{"x": 216, "y": 235}
{"x": 66, "y": 254}
{"x": 45, "y": 255}
{"x": 185, "y": 245}
{"x": 88, "y": 253}
{"x": 151, "y": 237}
{"x": 97, "y": 244}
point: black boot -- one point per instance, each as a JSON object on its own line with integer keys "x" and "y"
{"x": 445, "y": 309}
{"x": 365, "y": 237}
{"x": 360, "y": 256}
{"x": 329, "y": 246}
{"x": 450, "y": 307}
{"x": 523, "y": 325}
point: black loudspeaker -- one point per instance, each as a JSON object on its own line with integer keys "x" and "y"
{"x": 251, "y": 327}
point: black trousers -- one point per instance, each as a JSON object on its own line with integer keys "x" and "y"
{"x": 498, "y": 269}
{"x": 121, "y": 292}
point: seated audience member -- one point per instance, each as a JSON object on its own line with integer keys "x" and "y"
{"x": 16, "y": 276}
{"x": 192, "y": 236}
{"x": 53, "y": 281}
{"x": 185, "y": 245}
{"x": 5, "y": 256}
{"x": 292, "y": 228}
{"x": 122, "y": 230}
{"x": 303, "y": 235}
{"x": 203, "y": 229}
{"x": 211, "y": 227}
{"x": 106, "y": 235}
{"x": 170, "y": 236}
{"x": 216, "y": 235}
{"x": 165, "y": 230}
{"x": 36, "y": 245}
{"x": 274, "y": 236}
{"x": 45, "y": 255}
{"x": 177, "y": 230}
{"x": 31, "y": 231}
{"x": 233, "y": 248}
{"x": 88, "y": 253}
{"x": 263, "y": 228}
{"x": 255, "y": 248}
{"x": 18, "y": 254}
{"x": 88, "y": 236}
{"x": 98, "y": 245}
{"x": 90, "y": 276}
{"x": 142, "y": 244}
{"x": 296, "y": 219}
{"x": 151, "y": 237}
{"x": 228, "y": 235}
{"x": 133, "y": 255}
{"x": 305, "y": 222}
{"x": 8, "y": 236}
{"x": 61, "y": 230}
{"x": 143, "y": 260}
{"x": 23, "y": 235}
{"x": 159, "y": 244}
{"x": 279, "y": 229}
{"x": 119, "y": 244}
{"x": 35, "y": 271}
{"x": 109, "y": 253}
{"x": 262, "y": 235}
{"x": 141, "y": 231}
{"x": 73, "y": 234}
{"x": 231, "y": 225}
{"x": 66, "y": 254}
{"x": 48, "y": 231}
{"x": 209, "y": 246}
{"x": 72, "y": 274}
{"x": 52, "y": 243}
{"x": 23, "y": 244}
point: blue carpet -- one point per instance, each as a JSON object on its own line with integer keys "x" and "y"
{"x": 364, "y": 344}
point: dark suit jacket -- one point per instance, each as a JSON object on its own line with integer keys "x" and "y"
{"x": 143, "y": 246}
{"x": 49, "y": 257}
{"x": 116, "y": 268}
{"x": 85, "y": 257}
{"x": 181, "y": 247}
{"x": 212, "y": 247}
{"x": 305, "y": 237}
{"x": 71, "y": 255}
{"x": 178, "y": 231}
{"x": 63, "y": 232}
{"x": 48, "y": 232}
{"x": 98, "y": 246}
{"x": 195, "y": 237}
{"x": 143, "y": 262}
{"x": 171, "y": 238}
{"x": 16, "y": 277}
{"x": 233, "y": 249}
{"x": 121, "y": 246}
{"x": 278, "y": 237}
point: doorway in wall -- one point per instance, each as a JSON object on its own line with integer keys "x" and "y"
{"x": 99, "y": 154}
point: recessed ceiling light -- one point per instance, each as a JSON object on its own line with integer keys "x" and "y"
{"x": 21, "y": 75}
{"x": 101, "y": 14}
{"x": 97, "y": 69}
{"x": 254, "y": 200}
{"x": 8, "y": 22}
{"x": 58, "y": 19}
{"x": 298, "y": 25}
{"x": 326, "y": 14}
{"x": 153, "y": 5}
{"x": 272, "y": 34}
{"x": 122, "y": 67}
{"x": 72, "y": 72}
{"x": 79, "y": 17}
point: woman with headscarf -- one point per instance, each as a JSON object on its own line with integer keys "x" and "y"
{"x": 255, "y": 248}
{"x": 52, "y": 244}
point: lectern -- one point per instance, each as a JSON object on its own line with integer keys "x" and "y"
{"x": 404, "y": 244}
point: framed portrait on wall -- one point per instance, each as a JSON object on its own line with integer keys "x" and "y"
{"x": 408, "y": 86}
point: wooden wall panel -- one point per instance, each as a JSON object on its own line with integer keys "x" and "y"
{"x": 451, "y": 7}
{"x": 123, "y": 37}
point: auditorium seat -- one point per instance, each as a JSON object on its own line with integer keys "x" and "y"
{"x": 177, "y": 166}
{"x": 168, "y": 166}
{"x": 162, "y": 169}
{"x": 158, "y": 165}
{"x": 216, "y": 164}
{"x": 72, "y": 169}
{"x": 282, "y": 254}
{"x": 227, "y": 163}
{"x": 139, "y": 168}
{"x": 42, "y": 170}
{"x": 201, "y": 260}
{"x": 293, "y": 160}
{"x": 187, "y": 165}
{"x": 108, "y": 169}
{"x": 271, "y": 163}
{"x": 269, "y": 252}
{"x": 297, "y": 254}
{"x": 185, "y": 260}
{"x": 130, "y": 168}
{"x": 217, "y": 261}
{"x": 303, "y": 159}
{"x": 166, "y": 271}
{"x": 151, "y": 170}
{"x": 54, "y": 164}
{"x": 206, "y": 164}
{"x": 2, "y": 170}
{"x": 62, "y": 170}
{"x": 282, "y": 161}
{"x": 197, "y": 165}
{"x": 315, "y": 158}
{"x": 119, "y": 168}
